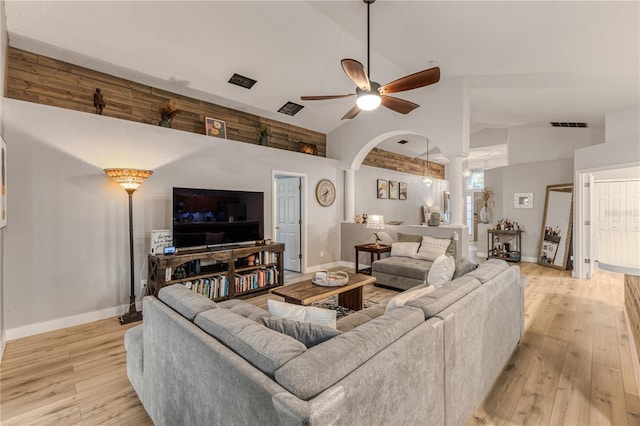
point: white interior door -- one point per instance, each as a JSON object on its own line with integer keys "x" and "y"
{"x": 633, "y": 222}
{"x": 288, "y": 221}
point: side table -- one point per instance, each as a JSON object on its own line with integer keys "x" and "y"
{"x": 373, "y": 249}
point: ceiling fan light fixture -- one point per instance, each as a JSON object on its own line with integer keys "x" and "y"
{"x": 368, "y": 101}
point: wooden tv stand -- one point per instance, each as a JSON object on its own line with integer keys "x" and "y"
{"x": 210, "y": 271}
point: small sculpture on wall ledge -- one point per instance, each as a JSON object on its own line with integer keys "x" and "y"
{"x": 167, "y": 112}
{"x": 98, "y": 102}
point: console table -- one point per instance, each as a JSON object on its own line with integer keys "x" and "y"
{"x": 373, "y": 249}
{"x": 510, "y": 239}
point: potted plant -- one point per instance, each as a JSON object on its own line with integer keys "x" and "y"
{"x": 264, "y": 131}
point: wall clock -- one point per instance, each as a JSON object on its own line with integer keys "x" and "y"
{"x": 325, "y": 192}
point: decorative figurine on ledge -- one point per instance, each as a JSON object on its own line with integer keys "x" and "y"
{"x": 98, "y": 102}
{"x": 167, "y": 112}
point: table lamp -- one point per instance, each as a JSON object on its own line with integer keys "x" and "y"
{"x": 376, "y": 222}
{"x": 130, "y": 180}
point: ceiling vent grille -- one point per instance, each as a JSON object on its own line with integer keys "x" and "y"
{"x": 242, "y": 81}
{"x": 403, "y": 141}
{"x": 290, "y": 108}
{"x": 567, "y": 124}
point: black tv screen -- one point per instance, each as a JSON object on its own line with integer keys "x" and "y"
{"x": 213, "y": 217}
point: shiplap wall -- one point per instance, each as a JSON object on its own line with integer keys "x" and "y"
{"x": 40, "y": 79}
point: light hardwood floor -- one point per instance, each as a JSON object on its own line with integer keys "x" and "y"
{"x": 572, "y": 367}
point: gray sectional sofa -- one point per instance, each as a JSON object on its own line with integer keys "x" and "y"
{"x": 431, "y": 361}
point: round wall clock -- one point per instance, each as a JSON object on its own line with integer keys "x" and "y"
{"x": 325, "y": 192}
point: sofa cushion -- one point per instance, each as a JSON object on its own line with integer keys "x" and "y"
{"x": 401, "y": 299}
{"x": 433, "y": 303}
{"x": 441, "y": 271}
{"x": 184, "y": 301}
{"x": 360, "y": 317}
{"x": 134, "y": 346}
{"x": 409, "y": 238}
{"x": 244, "y": 309}
{"x": 311, "y": 314}
{"x": 463, "y": 266}
{"x": 265, "y": 349}
{"x": 489, "y": 269}
{"x": 327, "y": 363}
{"x": 403, "y": 266}
{"x": 404, "y": 249}
{"x": 304, "y": 332}
{"x": 431, "y": 248}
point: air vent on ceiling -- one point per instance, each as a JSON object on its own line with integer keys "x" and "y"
{"x": 403, "y": 141}
{"x": 290, "y": 108}
{"x": 242, "y": 81}
{"x": 567, "y": 124}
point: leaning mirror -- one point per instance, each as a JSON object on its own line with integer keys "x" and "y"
{"x": 555, "y": 236}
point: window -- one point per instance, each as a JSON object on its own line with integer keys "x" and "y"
{"x": 476, "y": 180}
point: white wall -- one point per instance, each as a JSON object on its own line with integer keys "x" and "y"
{"x": 535, "y": 144}
{"x": 623, "y": 125}
{"x": 410, "y": 210}
{"x": 534, "y": 178}
{"x": 3, "y": 55}
{"x": 67, "y": 258}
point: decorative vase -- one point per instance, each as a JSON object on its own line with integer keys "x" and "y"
{"x": 358, "y": 219}
{"x": 264, "y": 140}
{"x": 485, "y": 214}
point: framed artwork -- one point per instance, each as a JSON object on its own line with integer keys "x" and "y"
{"x": 215, "y": 127}
{"x": 393, "y": 190}
{"x": 403, "y": 191}
{"x": 382, "y": 188}
{"x": 523, "y": 200}
{"x": 3, "y": 172}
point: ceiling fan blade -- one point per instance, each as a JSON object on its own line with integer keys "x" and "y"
{"x": 355, "y": 71}
{"x": 413, "y": 81}
{"x": 398, "y": 105}
{"x": 351, "y": 113}
{"x": 322, "y": 98}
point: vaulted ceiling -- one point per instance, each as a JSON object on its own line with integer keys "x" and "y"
{"x": 527, "y": 62}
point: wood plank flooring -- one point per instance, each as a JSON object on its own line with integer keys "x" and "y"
{"x": 572, "y": 367}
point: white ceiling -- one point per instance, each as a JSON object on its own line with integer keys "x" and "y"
{"x": 527, "y": 62}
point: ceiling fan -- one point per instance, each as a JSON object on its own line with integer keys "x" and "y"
{"x": 371, "y": 94}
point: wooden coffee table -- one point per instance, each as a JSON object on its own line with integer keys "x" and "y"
{"x": 306, "y": 292}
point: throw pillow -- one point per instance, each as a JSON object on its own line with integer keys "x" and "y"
{"x": 451, "y": 250}
{"x": 431, "y": 248}
{"x": 404, "y": 249}
{"x": 406, "y": 296}
{"x": 306, "y": 333}
{"x": 463, "y": 266}
{"x": 310, "y": 314}
{"x": 441, "y": 271}
{"x": 409, "y": 238}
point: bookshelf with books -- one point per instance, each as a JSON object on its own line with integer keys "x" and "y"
{"x": 220, "y": 273}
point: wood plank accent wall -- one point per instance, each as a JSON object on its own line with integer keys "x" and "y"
{"x": 632, "y": 307}
{"x": 39, "y": 79}
{"x": 43, "y": 80}
{"x": 392, "y": 161}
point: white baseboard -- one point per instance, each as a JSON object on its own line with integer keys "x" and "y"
{"x": 57, "y": 324}
{"x": 632, "y": 349}
{"x": 3, "y": 343}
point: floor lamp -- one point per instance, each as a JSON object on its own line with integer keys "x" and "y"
{"x": 130, "y": 180}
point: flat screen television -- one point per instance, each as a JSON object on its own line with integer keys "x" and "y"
{"x": 214, "y": 217}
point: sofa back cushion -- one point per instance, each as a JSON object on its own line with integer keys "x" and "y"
{"x": 463, "y": 266}
{"x": 184, "y": 301}
{"x": 327, "y": 363}
{"x": 404, "y": 249}
{"x": 434, "y": 302}
{"x": 409, "y": 238}
{"x": 304, "y": 332}
{"x": 244, "y": 309}
{"x": 431, "y": 248}
{"x": 265, "y": 349}
{"x": 489, "y": 269}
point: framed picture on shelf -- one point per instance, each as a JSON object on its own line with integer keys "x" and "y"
{"x": 393, "y": 190}
{"x": 215, "y": 127}
{"x": 382, "y": 188}
{"x": 403, "y": 191}
{"x": 3, "y": 173}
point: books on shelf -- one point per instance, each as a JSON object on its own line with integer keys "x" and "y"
{"x": 256, "y": 279}
{"x": 212, "y": 287}
{"x": 266, "y": 257}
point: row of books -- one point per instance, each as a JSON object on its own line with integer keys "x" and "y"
{"x": 212, "y": 287}
{"x": 256, "y": 279}
{"x": 266, "y": 257}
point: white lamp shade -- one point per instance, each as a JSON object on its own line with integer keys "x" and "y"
{"x": 375, "y": 221}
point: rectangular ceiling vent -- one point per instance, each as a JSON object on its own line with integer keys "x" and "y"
{"x": 403, "y": 141}
{"x": 290, "y": 108}
{"x": 242, "y": 81}
{"x": 567, "y": 124}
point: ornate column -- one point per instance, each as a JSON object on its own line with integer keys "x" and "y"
{"x": 456, "y": 165}
{"x": 349, "y": 195}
